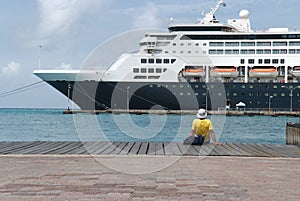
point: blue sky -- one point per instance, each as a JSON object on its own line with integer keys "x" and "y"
{"x": 69, "y": 30}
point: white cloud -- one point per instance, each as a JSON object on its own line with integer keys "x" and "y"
{"x": 64, "y": 66}
{"x": 59, "y": 16}
{"x": 12, "y": 68}
{"x": 147, "y": 17}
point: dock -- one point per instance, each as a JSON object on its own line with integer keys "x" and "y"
{"x": 189, "y": 112}
{"x": 149, "y": 148}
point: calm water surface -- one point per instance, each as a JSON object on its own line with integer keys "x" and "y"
{"x": 52, "y": 125}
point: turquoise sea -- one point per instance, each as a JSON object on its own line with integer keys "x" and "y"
{"x": 53, "y": 125}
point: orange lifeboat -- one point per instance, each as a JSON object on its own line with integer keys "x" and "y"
{"x": 193, "y": 72}
{"x": 224, "y": 72}
{"x": 263, "y": 72}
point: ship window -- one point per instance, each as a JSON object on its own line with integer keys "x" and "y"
{"x": 275, "y": 51}
{"x": 251, "y": 61}
{"x": 247, "y": 51}
{"x": 220, "y": 51}
{"x": 267, "y": 51}
{"x": 196, "y": 86}
{"x": 298, "y": 51}
{"x": 181, "y": 52}
{"x": 294, "y": 43}
{"x": 174, "y": 44}
{"x": 143, "y": 61}
{"x": 228, "y": 51}
{"x": 275, "y": 61}
{"x": 236, "y": 51}
{"x": 251, "y": 87}
{"x": 143, "y": 70}
{"x": 158, "y": 70}
{"x": 173, "y": 61}
{"x": 259, "y": 51}
{"x": 216, "y": 44}
{"x": 197, "y": 44}
{"x": 140, "y": 77}
{"x": 219, "y": 94}
{"x": 182, "y": 44}
{"x": 204, "y": 44}
{"x": 174, "y": 52}
{"x": 189, "y": 44}
{"x": 283, "y": 51}
{"x": 189, "y": 52}
{"x": 151, "y": 70}
{"x": 260, "y": 61}
{"x": 136, "y": 70}
{"x": 282, "y": 61}
{"x": 263, "y": 43}
{"x": 275, "y": 86}
{"x": 212, "y": 51}
{"x": 242, "y": 61}
{"x": 266, "y": 94}
{"x": 196, "y": 94}
{"x": 153, "y": 77}
{"x": 243, "y": 86}
{"x": 251, "y": 94}
{"x": 151, "y": 86}
{"x": 189, "y": 93}
{"x": 282, "y": 94}
{"x": 158, "y": 61}
{"x": 267, "y": 61}
{"x": 249, "y": 44}
{"x": 181, "y": 86}
{"x": 166, "y": 61}
{"x": 274, "y": 94}
{"x": 232, "y": 44}
{"x": 235, "y": 94}
{"x": 165, "y": 70}
{"x": 279, "y": 43}
{"x": 204, "y": 94}
{"x": 151, "y": 61}
{"x": 293, "y": 51}
{"x": 181, "y": 94}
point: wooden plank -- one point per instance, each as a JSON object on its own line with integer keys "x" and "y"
{"x": 221, "y": 150}
{"x": 65, "y": 147}
{"x": 168, "y": 149}
{"x": 255, "y": 150}
{"x": 127, "y": 148}
{"x": 186, "y": 150}
{"x": 102, "y": 148}
{"x": 111, "y": 148}
{"x": 17, "y": 147}
{"x": 239, "y": 150}
{"x": 36, "y": 149}
{"x": 7, "y": 146}
{"x": 93, "y": 147}
{"x": 135, "y": 148}
{"x": 271, "y": 151}
{"x": 159, "y": 148}
{"x": 121, "y": 146}
{"x": 175, "y": 149}
{"x": 143, "y": 149}
{"x": 283, "y": 151}
{"x": 151, "y": 150}
{"x": 231, "y": 151}
{"x": 213, "y": 150}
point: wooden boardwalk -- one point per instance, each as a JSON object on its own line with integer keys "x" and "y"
{"x": 148, "y": 148}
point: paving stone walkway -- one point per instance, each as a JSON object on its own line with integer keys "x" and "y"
{"x": 87, "y": 178}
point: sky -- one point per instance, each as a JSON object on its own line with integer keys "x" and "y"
{"x": 64, "y": 32}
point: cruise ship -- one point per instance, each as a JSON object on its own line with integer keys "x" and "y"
{"x": 205, "y": 64}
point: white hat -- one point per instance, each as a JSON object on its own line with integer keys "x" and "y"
{"x": 202, "y": 114}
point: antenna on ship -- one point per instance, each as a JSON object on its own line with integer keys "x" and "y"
{"x": 40, "y": 57}
{"x": 210, "y": 17}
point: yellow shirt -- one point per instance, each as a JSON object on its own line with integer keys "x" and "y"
{"x": 201, "y": 127}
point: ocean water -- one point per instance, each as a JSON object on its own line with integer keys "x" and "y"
{"x": 53, "y": 125}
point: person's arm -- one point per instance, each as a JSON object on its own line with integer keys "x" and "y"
{"x": 192, "y": 133}
{"x": 212, "y": 134}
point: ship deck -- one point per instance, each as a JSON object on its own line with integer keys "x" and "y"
{"x": 149, "y": 148}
